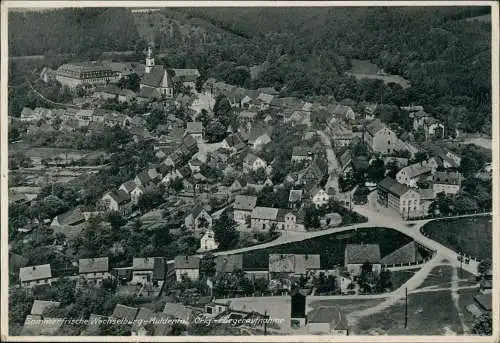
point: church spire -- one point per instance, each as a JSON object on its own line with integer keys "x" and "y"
{"x": 150, "y": 61}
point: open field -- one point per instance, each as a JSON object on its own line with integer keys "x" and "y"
{"x": 362, "y": 69}
{"x": 330, "y": 247}
{"x": 399, "y": 277}
{"x": 347, "y": 305}
{"x": 428, "y": 314}
{"x": 473, "y": 235}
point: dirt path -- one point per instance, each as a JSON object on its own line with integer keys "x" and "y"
{"x": 455, "y": 296}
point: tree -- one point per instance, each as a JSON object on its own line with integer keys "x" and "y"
{"x": 483, "y": 325}
{"x": 80, "y": 91}
{"x": 384, "y": 280}
{"x": 420, "y": 156}
{"x": 215, "y": 131}
{"x": 222, "y": 109}
{"x": 207, "y": 266}
{"x": 376, "y": 170}
{"x": 225, "y": 231}
{"x": 311, "y": 217}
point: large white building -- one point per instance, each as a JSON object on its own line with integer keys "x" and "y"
{"x": 85, "y": 74}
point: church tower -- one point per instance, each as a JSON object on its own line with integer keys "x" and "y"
{"x": 150, "y": 61}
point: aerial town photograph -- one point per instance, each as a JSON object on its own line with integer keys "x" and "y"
{"x": 249, "y": 171}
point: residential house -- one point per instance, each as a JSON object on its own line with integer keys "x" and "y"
{"x": 290, "y": 220}
{"x": 286, "y": 265}
{"x": 314, "y": 173}
{"x": 253, "y": 162}
{"x": 28, "y": 115}
{"x": 413, "y": 173}
{"x": 143, "y": 318}
{"x": 262, "y": 218}
{"x": 379, "y": 137}
{"x": 143, "y": 179}
{"x": 447, "y": 182}
{"x": 345, "y": 161}
{"x": 399, "y": 197}
{"x": 94, "y": 270}
{"x": 195, "y": 165}
{"x": 128, "y": 186}
{"x": 429, "y": 124}
{"x": 247, "y": 116}
{"x": 398, "y": 161}
{"x": 259, "y": 136}
{"x": 126, "y": 313}
{"x": 35, "y": 275}
{"x": 263, "y": 101}
{"x": 208, "y": 242}
{"x": 226, "y": 264}
{"x": 187, "y": 266}
{"x": 300, "y": 154}
{"x": 117, "y": 201}
{"x": 356, "y": 255}
{"x": 243, "y": 207}
{"x": 188, "y": 77}
{"x": 189, "y": 146}
{"x": 295, "y": 198}
{"x": 195, "y": 129}
{"x": 147, "y": 270}
{"x": 41, "y": 307}
{"x": 344, "y": 113}
{"x": 198, "y": 219}
{"x": 327, "y": 321}
{"x": 234, "y": 142}
{"x": 36, "y": 326}
{"x": 70, "y": 223}
{"x": 445, "y": 159}
{"x": 179, "y": 312}
{"x": 319, "y": 196}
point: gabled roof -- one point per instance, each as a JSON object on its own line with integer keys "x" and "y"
{"x": 295, "y": 195}
{"x": 406, "y": 254}
{"x": 301, "y": 151}
{"x": 392, "y": 186}
{"x": 375, "y": 126}
{"x": 265, "y": 213}
{"x": 120, "y": 196}
{"x": 178, "y": 311}
{"x": 155, "y": 77}
{"x": 361, "y": 253}
{"x": 416, "y": 169}
{"x": 244, "y": 202}
{"x": 331, "y": 315}
{"x": 144, "y": 263}
{"x": 194, "y": 127}
{"x": 71, "y": 217}
{"x": 251, "y": 158}
{"x": 143, "y": 177}
{"x": 197, "y": 210}
{"x": 187, "y": 262}
{"x": 265, "y": 98}
{"x": 41, "y": 306}
{"x": 129, "y": 186}
{"x": 124, "y": 312}
{"x": 144, "y": 316}
{"x": 448, "y": 178}
{"x": 228, "y": 263}
{"x": 258, "y": 131}
{"x": 32, "y": 273}
{"x": 149, "y": 93}
{"x": 93, "y": 265}
{"x": 345, "y": 158}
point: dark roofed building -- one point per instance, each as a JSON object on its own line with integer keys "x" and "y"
{"x": 125, "y": 312}
{"x": 358, "y": 254}
{"x": 69, "y": 223}
{"x": 228, "y": 263}
{"x": 327, "y": 320}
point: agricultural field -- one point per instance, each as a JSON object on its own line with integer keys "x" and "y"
{"x": 330, "y": 247}
{"x": 473, "y": 235}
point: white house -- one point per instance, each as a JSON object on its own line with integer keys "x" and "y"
{"x": 411, "y": 174}
{"x": 207, "y": 242}
{"x": 403, "y": 199}
{"x": 148, "y": 269}
{"x": 301, "y": 154}
{"x": 94, "y": 270}
{"x": 115, "y": 200}
{"x": 447, "y": 182}
{"x": 187, "y": 266}
{"x": 379, "y": 137}
{"x": 35, "y": 275}
{"x": 319, "y": 196}
{"x": 253, "y": 162}
{"x": 136, "y": 194}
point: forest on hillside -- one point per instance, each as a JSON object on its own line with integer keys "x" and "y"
{"x": 303, "y": 52}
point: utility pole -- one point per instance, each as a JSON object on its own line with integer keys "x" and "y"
{"x": 265, "y": 323}
{"x": 406, "y": 307}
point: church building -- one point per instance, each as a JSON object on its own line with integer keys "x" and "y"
{"x": 156, "y": 77}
